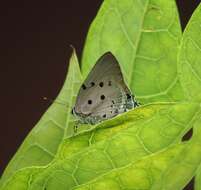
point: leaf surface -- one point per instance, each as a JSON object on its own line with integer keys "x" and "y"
{"x": 41, "y": 145}
{"x": 190, "y": 67}
{"x": 114, "y": 144}
{"x": 142, "y": 148}
{"x": 144, "y": 36}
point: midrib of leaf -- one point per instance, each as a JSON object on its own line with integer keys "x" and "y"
{"x": 74, "y": 76}
{"x": 133, "y": 60}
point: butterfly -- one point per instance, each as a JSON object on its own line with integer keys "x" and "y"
{"x": 104, "y": 94}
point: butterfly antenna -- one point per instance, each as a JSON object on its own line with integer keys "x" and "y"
{"x": 54, "y": 101}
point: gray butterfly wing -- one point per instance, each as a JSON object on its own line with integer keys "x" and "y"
{"x": 104, "y": 93}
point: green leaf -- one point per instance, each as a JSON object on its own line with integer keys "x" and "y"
{"x": 189, "y": 58}
{"x": 112, "y": 145}
{"x": 165, "y": 170}
{"x": 198, "y": 179}
{"x": 184, "y": 167}
{"x": 144, "y": 36}
{"x": 140, "y": 175}
{"x": 142, "y": 148}
{"x": 190, "y": 68}
{"x": 117, "y": 144}
{"x": 41, "y": 145}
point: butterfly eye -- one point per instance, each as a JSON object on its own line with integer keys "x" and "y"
{"x": 84, "y": 87}
{"x": 89, "y": 101}
{"x": 101, "y": 84}
{"x": 102, "y": 97}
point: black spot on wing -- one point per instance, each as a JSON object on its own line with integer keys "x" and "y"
{"x": 104, "y": 116}
{"x": 92, "y": 84}
{"x": 84, "y": 87}
{"x": 102, "y": 97}
{"x": 89, "y": 101}
{"x": 101, "y": 84}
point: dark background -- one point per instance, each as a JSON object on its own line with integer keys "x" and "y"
{"x": 34, "y": 48}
